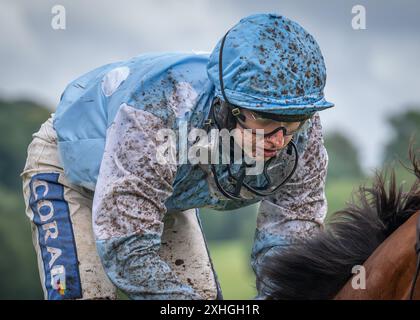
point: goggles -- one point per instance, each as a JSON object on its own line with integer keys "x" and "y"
{"x": 290, "y": 125}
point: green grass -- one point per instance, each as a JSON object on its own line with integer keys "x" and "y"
{"x": 339, "y": 192}
{"x": 231, "y": 260}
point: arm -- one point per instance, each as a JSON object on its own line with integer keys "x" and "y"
{"x": 297, "y": 211}
{"x": 128, "y": 209}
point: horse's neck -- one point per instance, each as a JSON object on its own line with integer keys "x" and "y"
{"x": 390, "y": 269}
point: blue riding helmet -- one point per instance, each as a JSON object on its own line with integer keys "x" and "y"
{"x": 269, "y": 64}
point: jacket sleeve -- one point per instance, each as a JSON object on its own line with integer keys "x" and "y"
{"x": 298, "y": 209}
{"x": 128, "y": 209}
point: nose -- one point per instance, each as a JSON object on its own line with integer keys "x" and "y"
{"x": 275, "y": 141}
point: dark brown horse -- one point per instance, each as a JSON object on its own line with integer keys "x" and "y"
{"x": 377, "y": 231}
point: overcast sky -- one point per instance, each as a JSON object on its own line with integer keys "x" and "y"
{"x": 371, "y": 74}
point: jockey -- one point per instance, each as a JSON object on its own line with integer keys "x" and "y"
{"x": 107, "y": 214}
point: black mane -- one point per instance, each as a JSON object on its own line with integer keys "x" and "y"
{"x": 319, "y": 267}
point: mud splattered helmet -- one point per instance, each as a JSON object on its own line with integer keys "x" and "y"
{"x": 270, "y": 65}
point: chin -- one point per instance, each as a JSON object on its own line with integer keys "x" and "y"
{"x": 261, "y": 158}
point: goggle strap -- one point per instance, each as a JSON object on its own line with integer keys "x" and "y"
{"x": 222, "y": 89}
{"x": 236, "y": 112}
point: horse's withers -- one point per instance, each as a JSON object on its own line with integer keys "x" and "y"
{"x": 390, "y": 268}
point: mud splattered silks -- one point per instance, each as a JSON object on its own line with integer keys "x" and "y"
{"x": 107, "y": 124}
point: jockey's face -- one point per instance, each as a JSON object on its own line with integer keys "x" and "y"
{"x": 269, "y": 145}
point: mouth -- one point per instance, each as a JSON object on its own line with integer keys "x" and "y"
{"x": 268, "y": 153}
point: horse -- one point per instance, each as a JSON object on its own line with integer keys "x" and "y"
{"x": 377, "y": 234}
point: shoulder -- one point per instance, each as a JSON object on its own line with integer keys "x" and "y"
{"x": 169, "y": 87}
{"x": 310, "y": 135}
